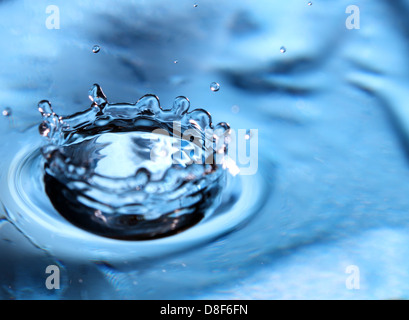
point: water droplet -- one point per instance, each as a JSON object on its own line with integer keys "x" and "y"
{"x": 214, "y": 86}
{"x": 221, "y": 128}
{"x": 44, "y": 128}
{"x": 6, "y": 112}
{"x": 310, "y": 3}
{"x": 181, "y": 105}
{"x": 235, "y": 109}
{"x": 97, "y": 96}
{"x": 176, "y": 61}
{"x": 283, "y": 49}
{"x": 45, "y": 108}
{"x": 248, "y": 135}
{"x": 96, "y": 49}
{"x": 195, "y": 5}
{"x": 150, "y": 103}
{"x": 200, "y": 119}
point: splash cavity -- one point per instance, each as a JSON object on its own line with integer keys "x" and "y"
{"x": 133, "y": 171}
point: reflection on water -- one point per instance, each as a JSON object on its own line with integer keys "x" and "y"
{"x": 331, "y": 187}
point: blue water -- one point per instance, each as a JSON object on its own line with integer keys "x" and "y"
{"x": 331, "y": 186}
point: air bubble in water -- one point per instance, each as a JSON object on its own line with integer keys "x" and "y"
{"x": 195, "y": 5}
{"x": 6, "y": 112}
{"x": 96, "y": 49}
{"x": 214, "y": 86}
{"x": 310, "y": 3}
{"x": 283, "y": 49}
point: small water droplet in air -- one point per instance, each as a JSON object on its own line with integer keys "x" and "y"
{"x": 310, "y": 3}
{"x": 195, "y": 5}
{"x": 283, "y": 49}
{"x": 6, "y": 112}
{"x": 96, "y": 49}
{"x": 214, "y": 86}
{"x": 235, "y": 109}
{"x": 176, "y": 61}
